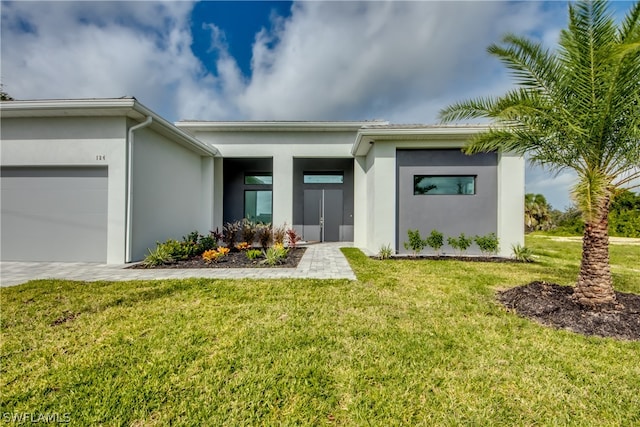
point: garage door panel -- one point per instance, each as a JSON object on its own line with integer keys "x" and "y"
{"x": 41, "y": 201}
{"x": 54, "y": 214}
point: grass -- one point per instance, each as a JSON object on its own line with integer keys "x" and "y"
{"x": 409, "y": 343}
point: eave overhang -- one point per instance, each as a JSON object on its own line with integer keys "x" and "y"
{"x": 454, "y": 136}
{"x": 274, "y": 126}
{"x": 109, "y": 107}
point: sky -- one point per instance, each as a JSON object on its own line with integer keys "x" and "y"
{"x": 311, "y": 60}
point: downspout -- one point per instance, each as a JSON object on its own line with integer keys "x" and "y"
{"x": 129, "y": 218}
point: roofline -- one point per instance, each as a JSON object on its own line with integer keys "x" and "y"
{"x": 110, "y": 107}
{"x": 367, "y": 136}
{"x": 178, "y": 133}
{"x": 273, "y": 126}
{"x": 25, "y": 104}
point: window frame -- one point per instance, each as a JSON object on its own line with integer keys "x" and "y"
{"x": 418, "y": 177}
{"x": 254, "y": 217}
{"x": 258, "y": 175}
{"x": 340, "y": 174}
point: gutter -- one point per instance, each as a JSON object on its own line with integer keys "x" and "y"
{"x": 273, "y": 126}
{"x": 129, "y": 217}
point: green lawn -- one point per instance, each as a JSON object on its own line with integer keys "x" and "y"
{"x": 409, "y": 343}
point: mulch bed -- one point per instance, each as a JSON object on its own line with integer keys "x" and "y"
{"x": 552, "y": 305}
{"x": 233, "y": 260}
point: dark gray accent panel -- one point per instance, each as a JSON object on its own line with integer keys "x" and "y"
{"x": 338, "y": 165}
{"x": 234, "y": 171}
{"x": 450, "y": 214}
{"x": 54, "y": 214}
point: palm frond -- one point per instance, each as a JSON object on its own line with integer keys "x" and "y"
{"x": 531, "y": 65}
{"x": 576, "y": 107}
{"x": 471, "y": 109}
{"x": 589, "y": 192}
{"x": 630, "y": 28}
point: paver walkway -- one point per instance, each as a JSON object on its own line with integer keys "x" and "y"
{"x": 320, "y": 261}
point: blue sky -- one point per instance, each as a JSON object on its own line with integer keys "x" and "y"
{"x": 311, "y": 60}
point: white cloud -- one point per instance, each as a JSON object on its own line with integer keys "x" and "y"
{"x": 328, "y": 60}
{"x": 401, "y": 61}
{"x": 333, "y": 60}
{"x": 105, "y": 49}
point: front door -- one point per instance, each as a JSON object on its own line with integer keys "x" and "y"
{"x": 322, "y": 215}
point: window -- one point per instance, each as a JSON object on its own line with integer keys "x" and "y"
{"x": 425, "y": 184}
{"x": 262, "y": 179}
{"x": 258, "y": 205}
{"x": 323, "y": 178}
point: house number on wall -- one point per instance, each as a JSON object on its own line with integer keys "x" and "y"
{"x": 101, "y": 157}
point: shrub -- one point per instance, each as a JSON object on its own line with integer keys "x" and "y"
{"x": 522, "y": 253}
{"x": 435, "y": 241}
{"x": 190, "y": 245}
{"x": 385, "y": 252}
{"x": 191, "y": 237}
{"x": 178, "y": 250}
{"x": 224, "y": 251}
{"x": 216, "y": 235}
{"x": 263, "y": 234}
{"x": 248, "y": 231}
{"x": 278, "y": 235}
{"x": 275, "y": 255}
{"x": 415, "y": 243}
{"x": 243, "y": 246}
{"x": 215, "y": 255}
{"x": 488, "y": 244}
{"x": 461, "y": 243}
{"x": 230, "y": 233}
{"x": 207, "y": 242}
{"x": 160, "y": 256}
{"x": 292, "y": 237}
{"x": 253, "y": 254}
{"x": 210, "y": 256}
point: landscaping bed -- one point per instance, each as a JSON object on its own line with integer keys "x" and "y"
{"x": 233, "y": 260}
{"x": 553, "y": 305}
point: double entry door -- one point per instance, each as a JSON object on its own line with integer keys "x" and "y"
{"x": 323, "y": 214}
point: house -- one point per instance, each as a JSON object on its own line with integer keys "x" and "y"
{"x": 101, "y": 180}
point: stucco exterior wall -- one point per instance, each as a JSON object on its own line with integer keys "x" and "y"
{"x": 360, "y": 200}
{"x": 511, "y": 189}
{"x": 282, "y": 147}
{"x": 376, "y": 196}
{"x": 171, "y": 194}
{"x": 75, "y": 141}
{"x": 382, "y": 189}
{"x": 451, "y": 215}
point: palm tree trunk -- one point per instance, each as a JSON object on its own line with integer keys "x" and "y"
{"x": 595, "y": 286}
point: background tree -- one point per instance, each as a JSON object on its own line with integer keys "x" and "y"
{"x": 4, "y": 96}
{"x": 576, "y": 107}
{"x": 624, "y": 215}
{"x": 537, "y": 212}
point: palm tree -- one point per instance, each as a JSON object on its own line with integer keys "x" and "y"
{"x": 576, "y": 107}
{"x": 537, "y": 212}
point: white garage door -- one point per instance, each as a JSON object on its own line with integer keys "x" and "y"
{"x": 54, "y": 214}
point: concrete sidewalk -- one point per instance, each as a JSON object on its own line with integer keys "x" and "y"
{"x": 320, "y": 261}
